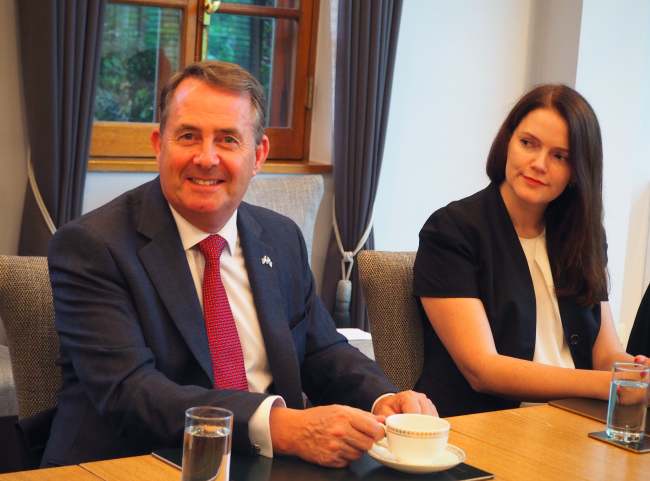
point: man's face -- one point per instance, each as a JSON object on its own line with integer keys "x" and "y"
{"x": 207, "y": 154}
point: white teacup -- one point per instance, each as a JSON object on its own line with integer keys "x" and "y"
{"x": 416, "y": 439}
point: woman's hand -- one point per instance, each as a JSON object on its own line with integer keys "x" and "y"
{"x": 631, "y": 394}
{"x": 627, "y": 395}
{"x": 641, "y": 359}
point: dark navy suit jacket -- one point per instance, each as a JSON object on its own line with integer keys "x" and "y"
{"x": 134, "y": 348}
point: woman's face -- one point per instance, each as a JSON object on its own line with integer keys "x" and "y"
{"x": 537, "y": 168}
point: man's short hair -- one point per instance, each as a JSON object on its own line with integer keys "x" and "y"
{"x": 221, "y": 75}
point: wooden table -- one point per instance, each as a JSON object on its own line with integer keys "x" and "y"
{"x": 75, "y": 473}
{"x": 537, "y": 443}
{"x": 543, "y": 443}
{"x": 133, "y": 469}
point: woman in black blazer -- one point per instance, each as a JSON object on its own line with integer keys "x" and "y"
{"x": 511, "y": 282}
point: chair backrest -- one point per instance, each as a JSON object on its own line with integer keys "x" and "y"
{"x": 397, "y": 336}
{"x": 8, "y": 405}
{"x": 27, "y": 310}
{"x": 296, "y": 196}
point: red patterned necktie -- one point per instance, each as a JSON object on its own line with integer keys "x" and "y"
{"x": 227, "y": 357}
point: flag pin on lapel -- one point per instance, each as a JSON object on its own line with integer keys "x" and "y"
{"x": 267, "y": 261}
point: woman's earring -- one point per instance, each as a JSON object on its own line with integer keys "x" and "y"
{"x": 572, "y": 183}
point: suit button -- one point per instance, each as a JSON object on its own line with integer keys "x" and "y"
{"x": 574, "y": 339}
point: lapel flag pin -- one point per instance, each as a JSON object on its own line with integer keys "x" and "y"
{"x": 267, "y": 261}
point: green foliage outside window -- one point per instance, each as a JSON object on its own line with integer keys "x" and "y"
{"x": 245, "y": 41}
{"x": 138, "y": 42}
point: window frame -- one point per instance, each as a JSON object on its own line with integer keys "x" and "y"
{"x": 125, "y": 146}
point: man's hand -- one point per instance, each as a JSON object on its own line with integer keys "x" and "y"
{"x": 405, "y": 402}
{"x": 330, "y": 436}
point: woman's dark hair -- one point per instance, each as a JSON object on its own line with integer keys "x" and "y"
{"x": 576, "y": 216}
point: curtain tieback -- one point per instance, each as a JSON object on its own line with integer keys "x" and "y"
{"x": 344, "y": 288}
{"x": 37, "y": 193}
{"x": 348, "y": 256}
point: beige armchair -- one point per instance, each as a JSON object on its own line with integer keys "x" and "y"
{"x": 8, "y": 405}
{"x": 296, "y": 196}
{"x": 397, "y": 335}
{"x": 27, "y": 311}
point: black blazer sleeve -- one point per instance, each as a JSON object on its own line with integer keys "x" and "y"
{"x": 446, "y": 264}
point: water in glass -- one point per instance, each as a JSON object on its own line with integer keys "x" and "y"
{"x": 206, "y": 453}
{"x": 628, "y": 400}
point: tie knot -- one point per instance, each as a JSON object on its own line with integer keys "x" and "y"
{"x": 212, "y": 246}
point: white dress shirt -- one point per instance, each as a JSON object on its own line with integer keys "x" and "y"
{"x": 235, "y": 280}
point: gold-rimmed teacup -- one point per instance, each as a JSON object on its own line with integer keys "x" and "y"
{"x": 416, "y": 439}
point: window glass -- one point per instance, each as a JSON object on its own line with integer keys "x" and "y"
{"x": 140, "y": 51}
{"x": 265, "y": 47}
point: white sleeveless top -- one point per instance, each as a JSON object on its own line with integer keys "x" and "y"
{"x": 551, "y": 347}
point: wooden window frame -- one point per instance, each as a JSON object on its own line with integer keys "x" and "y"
{"x": 125, "y": 146}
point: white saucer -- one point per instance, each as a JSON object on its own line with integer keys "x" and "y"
{"x": 450, "y": 457}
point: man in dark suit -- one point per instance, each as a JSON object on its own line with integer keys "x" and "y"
{"x": 129, "y": 295}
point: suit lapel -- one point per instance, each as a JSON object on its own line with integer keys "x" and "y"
{"x": 267, "y": 295}
{"x": 166, "y": 264}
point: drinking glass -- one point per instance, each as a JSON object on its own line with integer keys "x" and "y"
{"x": 206, "y": 447}
{"x": 628, "y": 402}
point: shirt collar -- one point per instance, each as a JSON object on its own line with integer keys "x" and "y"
{"x": 192, "y": 235}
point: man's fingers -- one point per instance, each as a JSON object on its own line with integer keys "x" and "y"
{"x": 352, "y": 432}
{"x": 427, "y": 407}
{"x": 345, "y": 455}
{"x": 352, "y": 454}
{"x": 357, "y": 444}
{"x": 387, "y": 409}
{"x": 409, "y": 402}
{"x": 365, "y": 430}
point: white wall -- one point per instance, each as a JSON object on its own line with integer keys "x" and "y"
{"x": 613, "y": 74}
{"x": 13, "y": 137}
{"x": 460, "y": 66}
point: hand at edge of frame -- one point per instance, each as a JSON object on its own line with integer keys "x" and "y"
{"x": 405, "y": 402}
